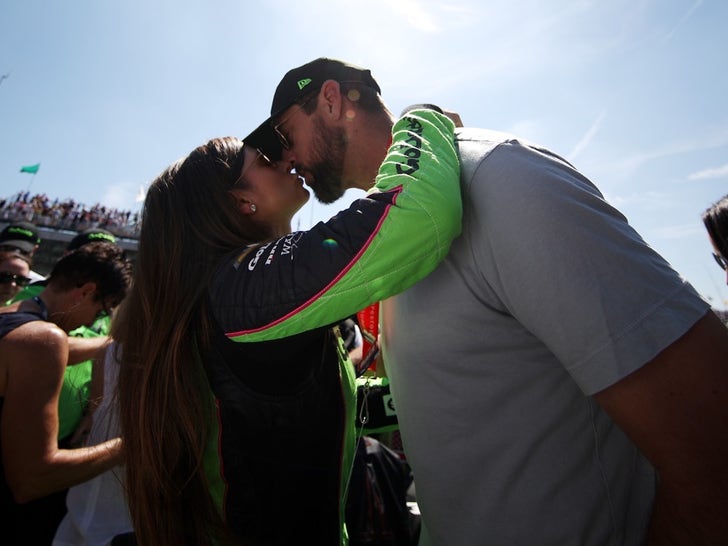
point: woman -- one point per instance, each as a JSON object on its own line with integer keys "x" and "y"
{"x": 14, "y": 274}
{"x": 233, "y": 434}
{"x": 715, "y": 219}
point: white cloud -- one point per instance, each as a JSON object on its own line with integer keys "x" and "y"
{"x": 626, "y": 167}
{"x": 678, "y": 231}
{"x": 684, "y": 18}
{"x": 416, "y": 15}
{"x": 121, "y": 196}
{"x": 587, "y": 138}
{"x": 717, "y": 172}
{"x": 141, "y": 194}
{"x": 645, "y": 200}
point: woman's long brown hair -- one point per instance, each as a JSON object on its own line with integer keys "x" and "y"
{"x": 189, "y": 222}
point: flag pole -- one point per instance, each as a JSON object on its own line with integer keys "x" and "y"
{"x": 31, "y": 182}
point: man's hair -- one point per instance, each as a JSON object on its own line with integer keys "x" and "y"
{"x": 102, "y": 263}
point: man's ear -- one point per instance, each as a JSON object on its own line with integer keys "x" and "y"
{"x": 87, "y": 289}
{"x": 330, "y": 99}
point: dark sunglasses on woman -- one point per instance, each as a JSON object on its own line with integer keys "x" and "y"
{"x": 19, "y": 280}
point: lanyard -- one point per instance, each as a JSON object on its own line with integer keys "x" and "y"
{"x": 43, "y": 309}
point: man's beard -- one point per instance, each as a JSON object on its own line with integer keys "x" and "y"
{"x": 329, "y": 148}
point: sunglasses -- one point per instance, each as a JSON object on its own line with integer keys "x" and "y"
{"x": 19, "y": 280}
{"x": 284, "y": 139}
{"x": 259, "y": 159}
{"x": 721, "y": 261}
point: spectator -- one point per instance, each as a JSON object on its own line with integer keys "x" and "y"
{"x": 68, "y": 214}
{"x": 73, "y": 402}
{"x": 14, "y": 274}
{"x": 23, "y": 237}
{"x": 35, "y": 350}
{"x": 97, "y": 511}
{"x": 715, "y": 219}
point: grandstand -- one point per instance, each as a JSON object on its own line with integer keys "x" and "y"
{"x": 59, "y": 221}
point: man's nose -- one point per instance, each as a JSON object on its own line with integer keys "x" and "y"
{"x": 288, "y": 156}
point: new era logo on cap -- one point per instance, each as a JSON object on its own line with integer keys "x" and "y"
{"x": 303, "y": 83}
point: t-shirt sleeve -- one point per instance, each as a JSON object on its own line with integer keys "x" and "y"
{"x": 570, "y": 268}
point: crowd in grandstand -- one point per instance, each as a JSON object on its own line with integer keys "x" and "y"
{"x": 68, "y": 214}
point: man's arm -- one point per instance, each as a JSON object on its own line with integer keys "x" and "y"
{"x": 675, "y": 409}
{"x": 34, "y": 466}
{"x": 81, "y": 349}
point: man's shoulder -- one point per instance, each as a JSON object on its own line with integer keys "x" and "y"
{"x": 26, "y": 330}
{"x": 505, "y": 154}
{"x": 475, "y": 145}
{"x": 484, "y": 136}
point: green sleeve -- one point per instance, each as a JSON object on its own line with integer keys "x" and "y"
{"x": 420, "y": 177}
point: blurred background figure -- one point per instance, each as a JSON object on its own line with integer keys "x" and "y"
{"x": 22, "y": 237}
{"x": 35, "y": 352}
{"x": 76, "y": 401}
{"x": 715, "y": 219}
{"x": 14, "y": 274}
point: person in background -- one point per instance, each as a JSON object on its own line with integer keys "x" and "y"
{"x": 715, "y": 219}
{"x": 76, "y": 401}
{"x": 14, "y": 274}
{"x": 23, "y": 237}
{"x": 35, "y": 351}
{"x": 97, "y": 513}
{"x": 556, "y": 381}
{"x": 236, "y": 392}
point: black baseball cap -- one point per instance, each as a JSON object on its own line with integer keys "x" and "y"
{"x": 21, "y": 235}
{"x": 91, "y": 235}
{"x": 295, "y": 85}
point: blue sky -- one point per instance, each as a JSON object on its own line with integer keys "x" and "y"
{"x": 634, "y": 92}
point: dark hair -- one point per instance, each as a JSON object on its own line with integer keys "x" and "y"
{"x": 715, "y": 219}
{"x": 102, "y": 263}
{"x": 189, "y": 222}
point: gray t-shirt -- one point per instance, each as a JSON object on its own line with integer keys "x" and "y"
{"x": 547, "y": 297}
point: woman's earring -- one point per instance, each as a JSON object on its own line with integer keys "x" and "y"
{"x": 253, "y": 208}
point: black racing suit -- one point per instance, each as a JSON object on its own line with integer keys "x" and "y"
{"x": 279, "y": 460}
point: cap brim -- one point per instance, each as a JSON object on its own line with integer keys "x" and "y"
{"x": 25, "y": 246}
{"x": 265, "y": 139}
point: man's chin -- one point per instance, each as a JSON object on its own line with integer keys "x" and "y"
{"x": 324, "y": 193}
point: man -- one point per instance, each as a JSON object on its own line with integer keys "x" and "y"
{"x": 547, "y": 359}
{"x": 76, "y": 400}
{"x": 35, "y": 351}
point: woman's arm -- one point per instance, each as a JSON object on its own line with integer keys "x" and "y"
{"x": 378, "y": 247}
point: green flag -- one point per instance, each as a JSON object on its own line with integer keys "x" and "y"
{"x": 30, "y": 168}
